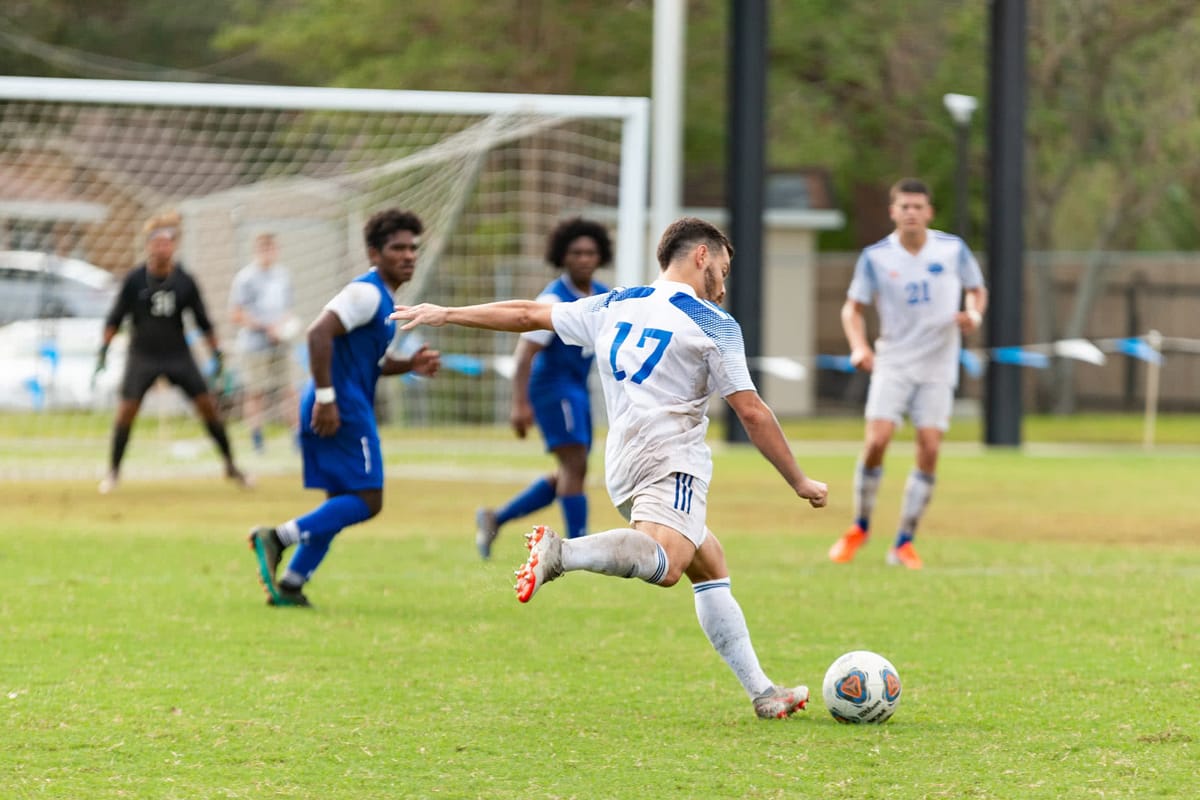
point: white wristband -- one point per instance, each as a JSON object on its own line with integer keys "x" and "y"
{"x": 325, "y": 395}
{"x": 975, "y": 317}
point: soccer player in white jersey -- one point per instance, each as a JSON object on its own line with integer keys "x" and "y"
{"x": 662, "y": 351}
{"x": 917, "y": 278}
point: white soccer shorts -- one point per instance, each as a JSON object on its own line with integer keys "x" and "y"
{"x": 927, "y": 405}
{"x": 679, "y": 501}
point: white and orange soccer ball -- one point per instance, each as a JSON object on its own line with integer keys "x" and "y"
{"x": 861, "y": 687}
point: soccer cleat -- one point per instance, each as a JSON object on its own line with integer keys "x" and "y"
{"x": 240, "y": 478}
{"x": 264, "y": 541}
{"x": 904, "y": 556}
{"x": 269, "y": 551}
{"x": 779, "y": 702}
{"x": 108, "y": 483}
{"x": 544, "y": 564}
{"x": 486, "y": 531}
{"x": 288, "y": 596}
{"x": 843, "y": 549}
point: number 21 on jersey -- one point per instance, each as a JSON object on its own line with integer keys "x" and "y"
{"x": 661, "y": 339}
{"x": 917, "y": 292}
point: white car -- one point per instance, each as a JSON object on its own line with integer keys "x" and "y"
{"x": 44, "y": 285}
{"x": 48, "y": 364}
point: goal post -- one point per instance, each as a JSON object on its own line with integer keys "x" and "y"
{"x": 83, "y": 163}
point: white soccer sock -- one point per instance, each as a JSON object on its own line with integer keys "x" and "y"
{"x": 288, "y": 533}
{"x": 294, "y": 579}
{"x": 725, "y": 626}
{"x": 622, "y": 552}
{"x": 866, "y": 489}
{"x": 917, "y": 491}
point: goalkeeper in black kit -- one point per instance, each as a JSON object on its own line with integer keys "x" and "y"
{"x": 155, "y": 295}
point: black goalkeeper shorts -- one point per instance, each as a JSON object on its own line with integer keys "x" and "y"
{"x": 142, "y": 371}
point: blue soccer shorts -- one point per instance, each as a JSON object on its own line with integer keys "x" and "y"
{"x": 349, "y": 461}
{"x": 564, "y": 418}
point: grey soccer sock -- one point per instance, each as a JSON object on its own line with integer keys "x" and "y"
{"x": 866, "y": 489}
{"x": 918, "y": 489}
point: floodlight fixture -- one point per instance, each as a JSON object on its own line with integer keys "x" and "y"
{"x": 960, "y": 106}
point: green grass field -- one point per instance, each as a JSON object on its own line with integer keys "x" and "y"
{"x": 1050, "y": 649}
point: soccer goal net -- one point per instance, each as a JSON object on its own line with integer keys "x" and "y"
{"x": 84, "y": 163}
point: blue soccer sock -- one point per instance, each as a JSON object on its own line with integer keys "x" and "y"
{"x": 536, "y": 496}
{"x": 319, "y": 526}
{"x": 304, "y": 563}
{"x": 575, "y": 514}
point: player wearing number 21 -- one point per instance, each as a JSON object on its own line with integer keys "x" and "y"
{"x": 917, "y": 278}
{"x": 662, "y": 351}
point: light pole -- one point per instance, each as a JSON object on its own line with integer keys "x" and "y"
{"x": 961, "y": 107}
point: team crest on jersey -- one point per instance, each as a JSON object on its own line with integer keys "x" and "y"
{"x": 936, "y": 269}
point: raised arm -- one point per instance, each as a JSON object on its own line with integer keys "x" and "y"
{"x": 764, "y": 431}
{"x": 517, "y": 316}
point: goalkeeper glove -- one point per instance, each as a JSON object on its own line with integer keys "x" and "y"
{"x": 101, "y": 359}
{"x": 218, "y": 364}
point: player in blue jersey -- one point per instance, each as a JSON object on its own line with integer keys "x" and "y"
{"x": 349, "y": 347}
{"x": 663, "y": 350}
{"x": 917, "y": 279}
{"x": 550, "y": 385}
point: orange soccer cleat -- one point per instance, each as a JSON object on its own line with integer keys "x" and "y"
{"x": 843, "y": 549}
{"x": 544, "y": 564}
{"x": 904, "y": 556}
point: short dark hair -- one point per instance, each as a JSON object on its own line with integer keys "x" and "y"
{"x": 686, "y": 233}
{"x": 568, "y": 231}
{"x": 909, "y": 186}
{"x": 383, "y": 224}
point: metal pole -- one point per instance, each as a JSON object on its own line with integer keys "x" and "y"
{"x": 666, "y": 182}
{"x": 961, "y": 214}
{"x": 1154, "y": 339}
{"x": 1006, "y": 237}
{"x": 744, "y": 168}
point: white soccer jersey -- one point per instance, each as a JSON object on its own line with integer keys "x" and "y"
{"x": 661, "y": 353}
{"x": 266, "y": 296}
{"x": 917, "y": 297}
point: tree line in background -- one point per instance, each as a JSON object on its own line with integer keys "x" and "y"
{"x": 855, "y": 88}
